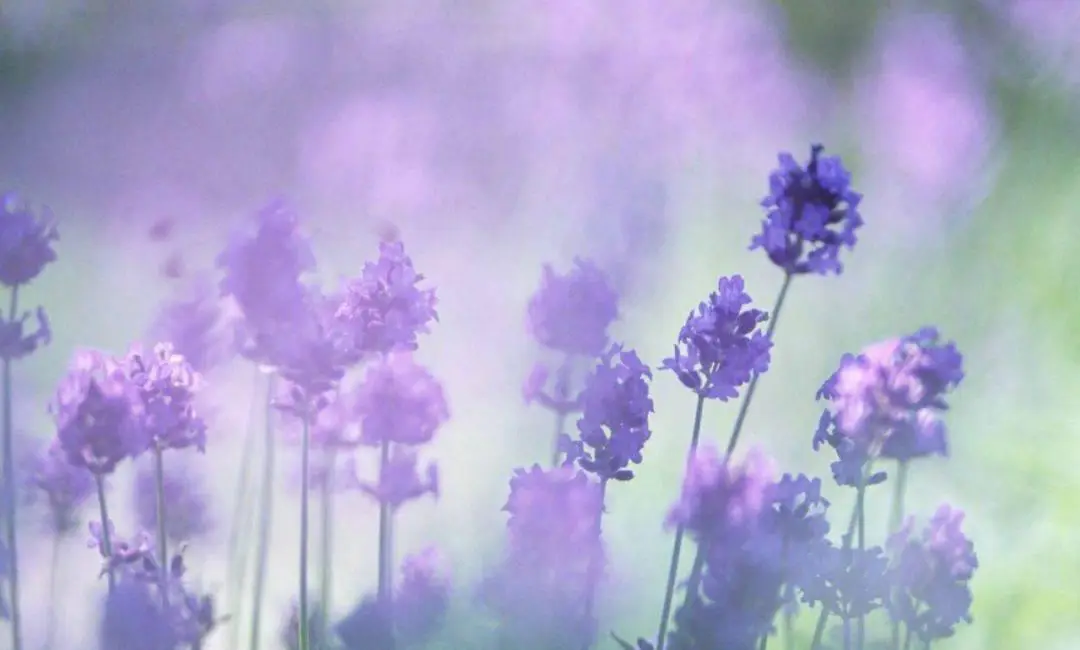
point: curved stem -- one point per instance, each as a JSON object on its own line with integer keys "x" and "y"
{"x": 106, "y": 541}
{"x": 305, "y": 476}
{"x": 680, "y": 531}
{"x": 10, "y": 502}
{"x": 162, "y": 542}
{"x": 266, "y": 509}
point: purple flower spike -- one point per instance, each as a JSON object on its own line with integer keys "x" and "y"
{"x": 571, "y": 313}
{"x": 65, "y": 486}
{"x": 193, "y": 323}
{"x": 720, "y": 347}
{"x": 98, "y": 413}
{"x": 718, "y": 495}
{"x": 16, "y": 342}
{"x": 26, "y": 242}
{"x": 186, "y": 504}
{"x": 614, "y": 424}
{"x": 385, "y": 309}
{"x": 812, "y": 212}
{"x": 423, "y": 595}
{"x": 932, "y": 574}
{"x": 886, "y": 402}
{"x": 167, "y": 385}
{"x": 400, "y": 401}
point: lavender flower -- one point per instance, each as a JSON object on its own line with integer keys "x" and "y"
{"x": 400, "y": 480}
{"x": 65, "y": 486}
{"x": 400, "y": 402}
{"x": 332, "y": 426}
{"x": 932, "y": 575}
{"x": 187, "y": 514}
{"x": 812, "y": 212}
{"x": 571, "y": 313}
{"x": 16, "y": 342}
{"x": 193, "y": 323}
{"x": 886, "y": 402}
{"x": 167, "y": 386}
{"x": 133, "y": 620}
{"x": 849, "y": 582}
{"x": 384, "y": 309}
{"x": 422, "y": 597}
{"x": 614, "y": 424}
{"x": 26, "y": 242}
{"x": 97, "y": 413}
{"x": 720, "y": 347}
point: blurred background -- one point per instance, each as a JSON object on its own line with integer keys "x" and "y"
{"x": 496, "y": 135}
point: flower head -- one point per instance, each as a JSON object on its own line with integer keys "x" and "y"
{"x": 193, "y": 323}
{"x": 26, "y": 242}
{"x": 571, "y": 313}
{"x": 614, "y": 423}
{"x": 422, "y": 596}
{"x": 16, "y": 342}
{"x": 400, "y": 401}
{"x": 400, "y": 479}
{"x": 553, "y": 513}
{"x": 186, "y": 505}
{"x": 98, "y": 413}
{"x": 167, "y": 386}
{"x": 850, "y": 582}
{"x": 385, "y": 309}
{"x": 811, "y": 213}
{"x": 720, "y": 347}
{"x": 65, "y": 486}
{"x": 718, "y": 495}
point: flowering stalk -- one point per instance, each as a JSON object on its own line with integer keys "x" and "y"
{"x": 860, "y": 509}
{"x": 385, "y": 533}
{"x": 266, "y": 509}
{"x": 9, "y": 488}
{"x": 50, "y": 612}
{"x": 106, "y": 543}
{"x": 896, "y": 518}
{"x": 163, "y": 546}
{"x": 327, "y": 532}
{"x": 305, "y": 450}
{"x": 238, "y": 534}
{"x": 562, "y": 393}
{"x": 594, "y": 569}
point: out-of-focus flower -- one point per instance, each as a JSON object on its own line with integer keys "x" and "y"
{"x": 65, "y": 486}
{"x": 400, "y": 479}
{"x": 167, "y": 386}
{"x": 366, "y": 627}
{"x": 932, "y": 574}
{"x": 849, "y": 582}
{"x": 400, "y": 402}
{"x": 886, "y": 402}
{"x": 571, "y": 313}
{"x": 98, "y": 413}
{"x": 186, "y": 504}
{"x": 811, "y": 213}
{"x": 133, "y": 619}
{"x": 331, "y": 427}
{"x": 290, "y": 631}
{"x": 15, "y": 342}
{"x": 385, "y": 309}
{"x": 720, "y": 347}
{"x": 192, "y": 322}
{"x": 422, "y": 596}
{"x": 614, "y": 424}
{"x": 26, "y": 241}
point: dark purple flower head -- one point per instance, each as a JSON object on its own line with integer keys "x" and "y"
{"x": 167, "y": 386}
{"x": 193, "y": 322}
{"x": 614, "y": 423}
{"x": 720, "y": 347}
{"x": 571, "y": 313}
{"x": 886, "y": 402}
{"x": 718, "y": 496}
{"x": 64, "y": 486}
{"x": 422, "y": 596}
{"x": 385, "y": 309}
{"x": 26, "y": 241}
{"x": 850, "y": 582}
{"x": 399, "y": 401}
{"x": 400, "y": 480}
{"x": 16, "y": 342}
{"x": 133, "y": 619}
{"x": 932, "y": 575}
{"x": 187, "y": 509}
{"x": 98, "y": 413}
{"x": 811, "y": 213}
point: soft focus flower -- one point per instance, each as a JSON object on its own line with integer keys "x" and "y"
{"x": 932, "y": 575}
{"x": 399, "y": 401}
{"x": 332, "y": 426}
{"x": 614, "y": 423}
{"x": 811, "y": 213}
{"x": 97, "y": 413}
{"x": 720, "y": 347}
{"x": 16, "y": 342}
{"x": 65, "y": 486}
{"x": 400, "y": 479}
{"x": 886, "y": 402}
{"x": 384, "y": 309}
{"x": 366, "y": 627}
{"x": 186, "y": 502}
{"x": 192, "y": 322}
{"x": 717, "y": 494}
{"x": 26, "y": 242}
{"x": 167, "y": 386}
{"x": 849, "y": 582}
{"x": 133, "y": 619}
{"x": 310, "y": 351}
{"x": 571, "y": 313}
{"x": 422, "y": 596}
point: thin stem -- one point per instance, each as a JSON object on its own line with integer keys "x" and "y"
{"x": 50, "y": 612}
{"x": 305, "y": 452}
{"x": 846, "y": 623}
{"x": 562, "y": 393}
{"x": 860, "y": 506}
{"x": 385, "y": 521}
{"x": 266, "y": 509}
{"x": 594, "y": 572}
{"x": 819, "y": 629}
{"x": 789, "y": 629}
{"x": 106, "y": 541}
{"x": 764, "y": 643}
{"x": 907, "y": 638}
{"x": 896, "y": 519}
{"x": 9, "y": 491}
{"x": 327, "y": 538}
{"x": 770, "y": 330}
{"x": 162, "y": 542}
{"x": 680, "y": 531}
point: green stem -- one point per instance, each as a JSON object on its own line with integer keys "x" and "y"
{"x": 680, "y": 531}
{"x": 50, "y": 612}
{"x": 789, "y": 629}
{"x": 106, "y": 541}
{"x": 305, "y": 451}
{"x": 327, "y": 538}
{"x": 907, "y": 638}
{"x": 860, "y": 506}
{"x": 266, "y": 509}
{"x": 385, "y": 592}
{"x": 764, "y": 643}
{"x": 10, "y": 502}
{"x": 162, "y": 542}
{"x": 896, "y": 519}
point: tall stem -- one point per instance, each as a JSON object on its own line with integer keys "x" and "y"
{"x": 594, "y": 573}
{"x": 676, "y": 549}
{"x": 305, "y": 476}
{"x": 385, "y": 535}
{"x": 50, "y": 611}
{"x": 562, "y": 393}
{"x": 896, "y": 519}
{"x": 10, "y": 504}
{"x": 106, "y": 541}
{"x": 327, "y": 538}
{"x": 860, "y": 507}
{"x": 162, "y": 542}
{"x": 266, "y": 509}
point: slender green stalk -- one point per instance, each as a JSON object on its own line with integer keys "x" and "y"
{"x": 562, "y": 392}
{"x": 860, "y": 508}
{"x": 896, "y": 519}
{"x": 846, "y": 623}
{"x": 10, "y": 502}
{"x": 594, "y": 568}
{"x": 245, "y": 510}
{"x": 676, "y": 549}
{"x": 385, "y": 522}
{"x": 106, "y": 541}
{"x": 162, "y": 541}
{"x": 327, "y": 538}
{"x": 907, "y": 638}
{"x": 54, "y": 571}
{"x": 764, "y": 643}
{"x": 305, "y": 461}
{"x": 266, "y": 509}
{"x": 789, "y": 629}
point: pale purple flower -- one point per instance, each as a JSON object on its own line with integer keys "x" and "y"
{"x": 721, "y": 345}
{"x": 571, "y": 313}
{"x": 717, "y": 494}
{"x": 193, "y": 322}
{"x": 400, "y": 479}
{"x": 64, "y": 485}
{"x": 332, "y": 425}
{"x": 187, "y": 507}
{"x": 16, "y": 342}
{"x": 422, "y": 595}
{"x": 400, "y": 401}
{"x": 26, "y": 241}
{"x": 167, "y": 386}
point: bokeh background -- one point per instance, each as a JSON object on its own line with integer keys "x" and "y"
{"x": 496, "y": 135}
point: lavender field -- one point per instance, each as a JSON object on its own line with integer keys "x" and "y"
{"x": 539, "y": 325}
